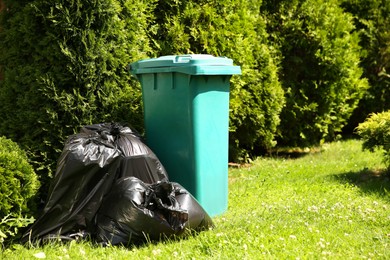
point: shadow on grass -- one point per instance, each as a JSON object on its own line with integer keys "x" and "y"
{"x": 368, "y": 181}
{"x": 292, "y": 153}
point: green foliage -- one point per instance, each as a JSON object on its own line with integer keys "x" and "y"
{"x": 372, "y": 22}
{"x": 375, "y": 132}
{"x": 237, "y": 30}
{"x": 18, "y": 185}
{"x": 65, "y": 65}
{"x": 319, "y": 68}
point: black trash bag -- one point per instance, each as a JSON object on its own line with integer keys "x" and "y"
{"x": 90, "y": 163}
{"x": 85, "y": 172}
{"x": 138, "y": 159}
{"x": 145, "y": 212}
{"x": 198, "y": 219}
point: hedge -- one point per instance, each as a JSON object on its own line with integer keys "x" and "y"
{"x": 372, "y": 21}
{"x": 320, "y": 73}
{"x": 235, "y": 29}
{"x": 64, "y": 65}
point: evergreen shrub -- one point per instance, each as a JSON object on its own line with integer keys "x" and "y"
{"x": 375, "y": 131}
{"x": 372, "y": 21}
{"x": 65, "y": 65}
{"x": 234, "y": 29}
{"x": 18, "y": 186}
{"x": 320, "y": 73}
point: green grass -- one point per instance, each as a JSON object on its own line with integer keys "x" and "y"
{"x": 332, "y": 204}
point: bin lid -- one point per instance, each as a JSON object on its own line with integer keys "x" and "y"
{"x": 193, "y": 64}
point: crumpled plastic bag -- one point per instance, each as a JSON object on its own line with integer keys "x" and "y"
{"x": 144, "y": 212}
{"x": 111, "y": 187}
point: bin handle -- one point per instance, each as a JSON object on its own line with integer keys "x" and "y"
{"x": 183, "y": 58}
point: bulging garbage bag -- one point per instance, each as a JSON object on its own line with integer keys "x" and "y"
{"x": 137, "y": 159}
{"x": 198, "y": 219}
{"x": 144, "y": 212}
{"x": 140, "y": 212}
{"x": 85, "y": 172}
{"x": 110, "y": 186}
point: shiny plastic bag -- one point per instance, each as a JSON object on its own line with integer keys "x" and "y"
{"x": 85, "y": 190}
{"x": 144, "y": 212}
{"x": 137, "y": 159}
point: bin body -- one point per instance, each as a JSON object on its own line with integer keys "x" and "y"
{"x": 186, "y": 113}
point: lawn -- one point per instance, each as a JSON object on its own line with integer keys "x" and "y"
{"x": 333, "y": 203}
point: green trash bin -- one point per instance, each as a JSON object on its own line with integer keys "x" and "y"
{"x": 186, "y": 112}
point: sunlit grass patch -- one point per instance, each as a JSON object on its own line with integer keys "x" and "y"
{"x": 312, "y": 207}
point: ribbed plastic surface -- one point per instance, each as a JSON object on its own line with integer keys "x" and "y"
{"x": 194, "y": 64}
{"x": 186, "y": 111}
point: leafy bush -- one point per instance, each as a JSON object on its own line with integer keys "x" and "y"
{"x": 18, "y": 185}
{"x": 375, "y": 131}
{"x": 235, "y": 29}
{"x": 320, "y": 71}
{"x": 64, "y": 65}
{"x": 372, "y": 21}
